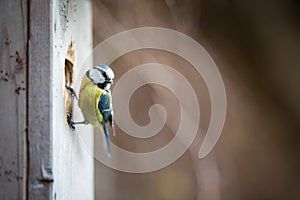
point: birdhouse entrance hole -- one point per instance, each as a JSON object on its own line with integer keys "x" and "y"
{"x": 69, "y": 76}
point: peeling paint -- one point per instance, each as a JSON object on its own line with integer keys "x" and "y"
{"x": 47, "y": 175}
{"x": 38, "y": 186}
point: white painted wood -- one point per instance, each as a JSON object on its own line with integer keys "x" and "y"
{"x": 73, "y": 167}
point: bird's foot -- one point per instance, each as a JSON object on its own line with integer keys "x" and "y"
{"x": 70, "y": 122}
{"x": 71, "y": 90}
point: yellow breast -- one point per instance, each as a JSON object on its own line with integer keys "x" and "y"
{"x": 88, "y": 101}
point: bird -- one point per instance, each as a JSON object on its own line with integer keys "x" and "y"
{"x": 95, "y": 101}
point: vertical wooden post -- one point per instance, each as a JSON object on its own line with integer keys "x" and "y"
{"x": 59, "y": 166}
{"x": 13, "y": 64}
{"x": 72, "y": 164}
{"x": 40, "y": 176}
{"x": 40, "y": 157}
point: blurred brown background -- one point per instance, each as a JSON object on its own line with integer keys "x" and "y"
{"x": 256, "y": 46}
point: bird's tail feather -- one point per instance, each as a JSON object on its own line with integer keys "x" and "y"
{"x": 106, "y": 140}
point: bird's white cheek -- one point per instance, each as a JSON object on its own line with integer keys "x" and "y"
{"x": 107, "y": 87}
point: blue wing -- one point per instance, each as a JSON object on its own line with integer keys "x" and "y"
{"x": 104, "y": 105}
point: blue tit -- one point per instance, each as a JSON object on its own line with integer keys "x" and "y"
{"x": 95, "y": 100}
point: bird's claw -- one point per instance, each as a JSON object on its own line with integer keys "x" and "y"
{"x": 70, "y": 122}
{"x": 72, "y": 91}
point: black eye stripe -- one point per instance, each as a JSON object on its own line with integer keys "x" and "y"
{"x": 105, "y": 75}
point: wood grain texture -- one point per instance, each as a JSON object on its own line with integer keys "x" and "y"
{"x": 13, "y": 51}
{"x": 40, "y": 177}
{"x": 36, "y": 146}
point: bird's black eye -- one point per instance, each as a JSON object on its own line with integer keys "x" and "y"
{"x": 104, "y": 75}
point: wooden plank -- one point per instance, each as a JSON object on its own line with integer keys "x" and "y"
{"x": 13, "y": 51}
{"x": 72, "y": 162}
{"x": 40, "y": 177}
